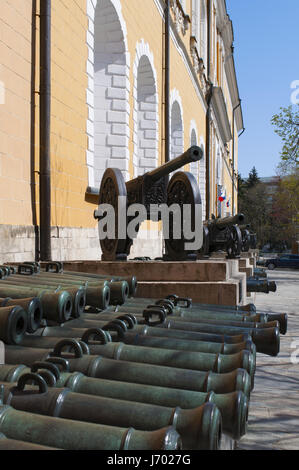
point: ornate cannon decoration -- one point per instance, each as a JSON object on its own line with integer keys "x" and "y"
{"x": 149, "y": 190}
{"x": 223, "y": 234}
{"x": 183, "y": 190}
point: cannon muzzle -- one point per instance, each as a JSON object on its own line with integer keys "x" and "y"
{"x": 193, "y": 154}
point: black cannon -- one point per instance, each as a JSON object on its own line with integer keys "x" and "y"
{"x": 150, "y": 190}
{"x": 223, "y": 234}
{"x": 249, "y": 239}
{"x": 253, "y": 241}
{"x": 246, "y": 240}
{"x": 255, "y": 285}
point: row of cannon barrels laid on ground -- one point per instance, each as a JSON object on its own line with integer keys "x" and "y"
{"x": 102, "y": 370}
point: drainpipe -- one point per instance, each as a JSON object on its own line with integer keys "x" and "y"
{"x": 45, "y": 122}
{"x": 208, "y": 115}
{"x": 233, "y": 169}
{"x": 167, "y": 81}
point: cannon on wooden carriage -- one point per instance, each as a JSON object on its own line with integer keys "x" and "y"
{"x": 222, "y": 235}
{"x": 246, "y": 242}
{"x": 150, "y": 190}
{"x": 249, "y": 239}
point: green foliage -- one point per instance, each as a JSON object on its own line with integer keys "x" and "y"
{"x": 272, "y": 214}
{"x": 253, "y": 178}
{"x": 254, "y": 204}
{"x": 286, "y": 125}
{"x": 285, "y": 207}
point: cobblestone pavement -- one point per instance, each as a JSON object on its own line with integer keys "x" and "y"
{"x": 274, "y": 405}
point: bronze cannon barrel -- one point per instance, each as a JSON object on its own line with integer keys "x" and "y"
{"x": 187, "y": 314}
{"x": 267, "y": 340}
{"x": 131, "y": 280}
{"x": 93, "y": 294}
{"x": 246, "y": 321}
{"x": 193, "y": 335}
{"x": 78, "y": 435}
{"x": 12, "y": 444}
{"x": 194, "y": 360}
{"x": 233, "y": 406}
{"x": 190, "y": 305}
{"x": 199, "y": 428}
{"x": 13, "y": 324}
{"x": 187, "y": 345}
{"x": 100, "y": 367}
{"x": 153, "y": 342}
{"x": 254, "y": 285}
{"x": 33, "y": 308}
{"x": 69, "y": 331}
{"x": 120, "y": 289}
{"x": 219, "y": 363}
{"x": 57, "y": 306}
{"x": 78, "y": 293}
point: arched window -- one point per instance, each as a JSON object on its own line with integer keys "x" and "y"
{"x": 108, "y": 92}
{"x": 145, "y": 112}
{"x": 194, "y": 167}
{"x": 177, "y": 139}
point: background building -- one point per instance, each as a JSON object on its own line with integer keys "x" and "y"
{"x": 108, "y": 98}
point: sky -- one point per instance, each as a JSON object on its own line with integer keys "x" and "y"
{"x": 266, "y": 40}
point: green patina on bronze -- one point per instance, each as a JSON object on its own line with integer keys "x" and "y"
{"x": 13, "y": 324}
{"x": 77, "y": 435}
{"x": 57, "y": 306}
{"x": 199, "y": 428}
{"x": 233, "y": 406}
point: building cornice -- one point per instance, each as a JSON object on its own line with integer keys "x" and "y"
{"x": 225, "y": 27}
{"x": 178, "y": 43}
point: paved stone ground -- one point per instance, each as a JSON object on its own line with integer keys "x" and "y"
{"x": 274, "y": 405}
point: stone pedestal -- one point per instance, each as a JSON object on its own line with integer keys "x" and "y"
{"x": 213, "y": 281}
{"x": 246, "y": 267}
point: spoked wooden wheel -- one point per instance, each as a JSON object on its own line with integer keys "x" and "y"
{"x": 113, "y": 192}
{"x": 182, "y": 190}
{"x": 234, "y": 243}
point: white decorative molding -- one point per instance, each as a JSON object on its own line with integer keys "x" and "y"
{"x": 107, "y": 95}
{"x": 198, "y": 65}
{"x": 186, "y": 60}
{"x": 181, "y": 20}
{"x": 145, "y": 115}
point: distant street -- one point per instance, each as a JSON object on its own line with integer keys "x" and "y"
{"x": 274, "y": 411}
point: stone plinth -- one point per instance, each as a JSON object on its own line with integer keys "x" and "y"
{"x": 214, "y": 281}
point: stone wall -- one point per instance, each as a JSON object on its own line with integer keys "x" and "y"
{"x": 18, "y": 244}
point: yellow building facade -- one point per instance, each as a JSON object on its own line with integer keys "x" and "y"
{"x": 108, "y": 110}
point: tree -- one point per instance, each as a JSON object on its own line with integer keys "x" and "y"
{"x": 285, "y": 209}
{"x": 286, "y": 125}
{"x": 253, "y": 178}
{"x": 254, "y": 204}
